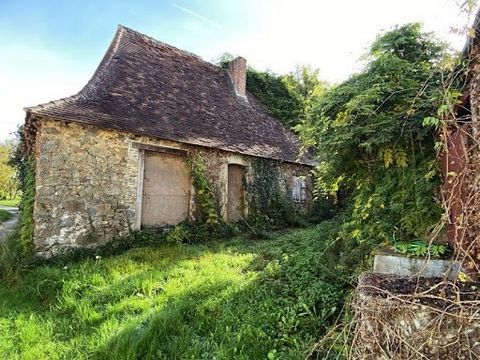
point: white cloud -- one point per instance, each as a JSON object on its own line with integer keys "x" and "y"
{"x": 198, "y": 16}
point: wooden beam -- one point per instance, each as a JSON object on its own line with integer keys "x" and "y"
{"x": 138, "y": 200}
{"x": 160, "y": 149}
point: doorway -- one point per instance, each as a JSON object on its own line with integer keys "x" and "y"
{"x": 166, "y": 190}
{"x": 236, "y": 193}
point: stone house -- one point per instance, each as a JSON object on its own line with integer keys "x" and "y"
{"x": 113, "y": 157}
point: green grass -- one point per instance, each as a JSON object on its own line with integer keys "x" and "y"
{"x": 235, "y": 299}
{"x": 5, "y": 215}
{"x": 10, "y": 202}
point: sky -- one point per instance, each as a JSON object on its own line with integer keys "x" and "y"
{"x": 49, "y": 49}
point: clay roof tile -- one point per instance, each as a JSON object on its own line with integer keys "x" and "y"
{"x": 150, "y": 88}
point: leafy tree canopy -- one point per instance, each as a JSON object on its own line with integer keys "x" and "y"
{"x": 371, "y": 140}
{"x": 284, "y": 96}
{"x": 8, "y": 177}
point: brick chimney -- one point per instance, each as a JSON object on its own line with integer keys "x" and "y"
{"x": 238, "y": 73}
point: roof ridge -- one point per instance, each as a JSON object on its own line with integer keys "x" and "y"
{"x": 151, "y": 88}
{"x": 164, "y": 44}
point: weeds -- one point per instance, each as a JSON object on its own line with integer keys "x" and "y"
{"x": 236, "y": 299}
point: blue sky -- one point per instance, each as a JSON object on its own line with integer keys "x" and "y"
{"x": 50, "y": 48}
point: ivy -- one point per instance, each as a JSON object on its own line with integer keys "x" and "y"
{"x": 268, "y": 206}
{"x": 281, "y": 95}
{"x": 372, "y": 141}
{"x": 17, "y": 249}
{"x": 208, "y": 208}
{"x": 208, "y": 224}
{"x": 26, "y": 224}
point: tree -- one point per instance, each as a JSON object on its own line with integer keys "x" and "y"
{"x": 9, "y": 185}
{"x": 369, "y": 134}
{"x": 305, "y": 83}
{"x": 280, "y": 94}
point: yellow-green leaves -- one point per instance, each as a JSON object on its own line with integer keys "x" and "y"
{"x": 401, "y": 158}
{"x": 387, "y": 157}
{"x": 341, "y": 119}
{"x": 430, "y": 121}
{"x": 390, "y": 157}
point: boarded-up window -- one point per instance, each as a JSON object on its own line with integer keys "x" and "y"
{"x": 299, "y": 189}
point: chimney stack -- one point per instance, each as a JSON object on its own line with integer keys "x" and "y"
{"x": 238, "y": 72}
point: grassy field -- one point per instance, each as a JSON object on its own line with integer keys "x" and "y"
{"x": 10, "y": 202}
{"x": 5, "y": 215}
{"x": 238, "y": 299}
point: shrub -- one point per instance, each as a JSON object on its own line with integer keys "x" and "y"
{"x": 5, "y": 215}
{"x": 379, "y": 148}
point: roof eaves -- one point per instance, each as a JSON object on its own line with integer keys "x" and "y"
{"x": 101, "y": 67}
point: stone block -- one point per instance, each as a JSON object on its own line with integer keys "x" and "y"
{"x": 405, "y": 266}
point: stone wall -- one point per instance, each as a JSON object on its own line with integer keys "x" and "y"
{"x": 87, "y": 180}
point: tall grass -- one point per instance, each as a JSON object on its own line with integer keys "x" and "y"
{"x": 10, "y": 202}
{"x": 236, "y": 299}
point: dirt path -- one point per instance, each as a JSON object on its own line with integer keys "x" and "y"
{"x": 8, "y": 226}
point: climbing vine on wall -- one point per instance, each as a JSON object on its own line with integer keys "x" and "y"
{"x": 208, "y": 224}
{"x": 268, "y": 205}
{"x": 18, "y": 247}
{"x": 26, "y": 225}
{"x": 206, "y": 201}
{"x": 24, "y": 162}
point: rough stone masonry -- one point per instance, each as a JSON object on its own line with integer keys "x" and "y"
{"x": 87, "y": 182}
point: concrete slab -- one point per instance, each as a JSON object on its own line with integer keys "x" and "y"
{"x": 405, "y": 266}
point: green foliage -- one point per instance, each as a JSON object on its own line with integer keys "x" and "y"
{"x": 9, "y": 184}
{"x": 24, "y": 164}
{"x": 305, "y": 83}
{"x": 178, "y": 234}
{"x": 281, "y": 95}
{"x": 17, "y": 248}
{"x": 5, "y": 215}
{"x": 410, "y": 44}
{"x": 226, "y": 300}
{"x": 209, "y": 224}
{"x": 421, "y": 248}
{"x": 10, "y": 202}
{"x": 26, "y": 208}
{"x": 201, "y": 232}
{"x": 277, "y": 96}
{"x": 206, "y": 201}
{"x": 370, "y": 136}
{"x": 268, "y": 206}
{"x": 323, "y": 208}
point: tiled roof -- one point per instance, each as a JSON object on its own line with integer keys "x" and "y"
{"x": 150, "y": 88}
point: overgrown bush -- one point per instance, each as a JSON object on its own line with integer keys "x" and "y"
{"x": 370, "y": 136}
{"x": 18, "y": 247}
{"x": 25, "y": 224}
{"x": 5, "y": 215}
{"x": 269, "y": 207}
